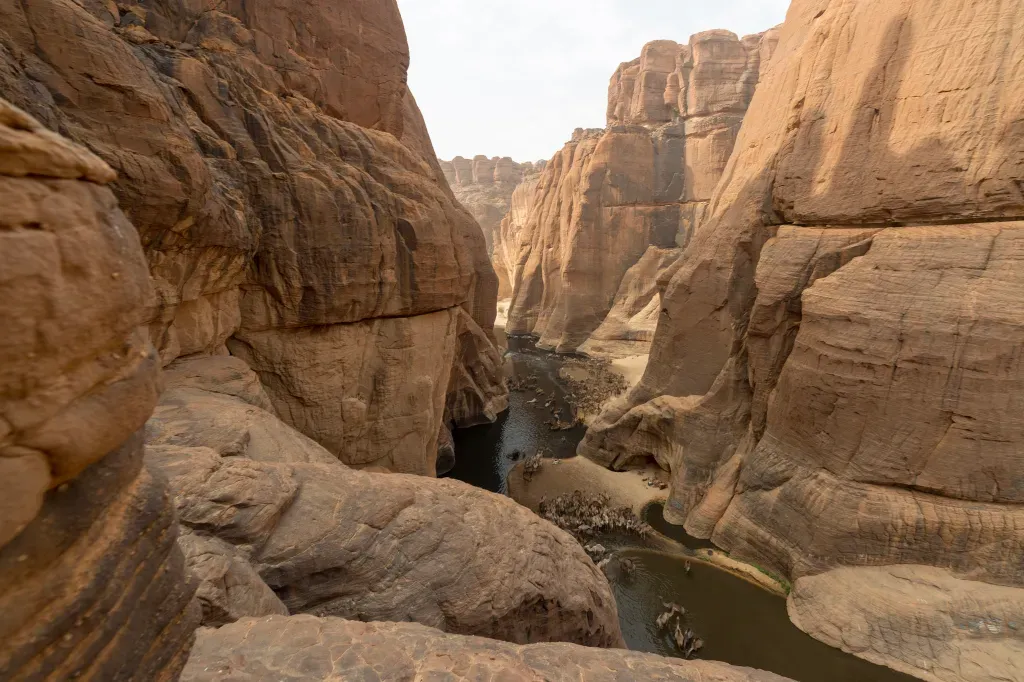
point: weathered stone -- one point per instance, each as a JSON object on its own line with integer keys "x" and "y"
{"x": 330, "y": 540}
{"x": 264, "y": 649}
{"x": 277, "y": 193}
{"x": 229, "y": 587}
{"x": 845, "y": 317}
{"x": 629, "y": 326}
{"x": 916, "y": 619}
{"x": 93, "y": 584}
{"x": 609, "y": 195}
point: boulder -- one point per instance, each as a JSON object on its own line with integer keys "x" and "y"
{"x": 265, "y": 504}
{"x": 948, "y": 629}
{"x": 264, "y": 649}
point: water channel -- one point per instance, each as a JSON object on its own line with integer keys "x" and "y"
{"x": 739, "y": 622}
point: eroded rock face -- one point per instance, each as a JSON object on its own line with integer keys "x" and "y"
{"x": 339, "y": 649}
{"x": 949, "y": 629}
{"x": 93, "y": 583}
{"x": 282, "y": 196}
{"x": 484, "y": 186}
{"x": 835, "y": 378}
{"x": 610, "y": 194}
{"x": 266, "y": 506}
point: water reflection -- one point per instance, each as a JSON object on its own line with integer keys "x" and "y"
{"x": 485, "y": 454}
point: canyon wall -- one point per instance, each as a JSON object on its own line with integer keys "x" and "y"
{"x": 289, "y": 203}
{"x": 485, "y": 187}
{"x": 99, "y": 468}
{"x": 93, "y": 583}
{"x": 643, "y": 182}
{"x": 836, "y": 376}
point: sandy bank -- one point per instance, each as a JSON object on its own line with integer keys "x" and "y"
{"x": 624, "y": 489}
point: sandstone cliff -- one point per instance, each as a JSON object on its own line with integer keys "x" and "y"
{"x": 835, "y": 379}
{"x": 93, "y": 584}
{"x": 486, "y": 188}
{"x": 287, "y": 198}
{"x": 610, "y": 194}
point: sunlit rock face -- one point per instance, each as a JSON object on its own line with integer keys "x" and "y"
{"x": 835, "y": 377}
{"x": 284, "y": 197}
{"x": 644, "y": 181}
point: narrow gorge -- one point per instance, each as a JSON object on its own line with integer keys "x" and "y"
{"x": 285, "y": 396}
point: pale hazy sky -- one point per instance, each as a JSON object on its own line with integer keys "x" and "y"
{"x": 515, "y": 77}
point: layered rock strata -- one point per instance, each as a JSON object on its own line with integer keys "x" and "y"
{"x": 93, "y": 584}
{"x": 644, "y": 181}
{"x": 486, "y": 187}
{"x": 263, "y": 649}
{"x": 835, "y": 378}
{"x": 285, "y": 198}
{"x": 277, "y": 525}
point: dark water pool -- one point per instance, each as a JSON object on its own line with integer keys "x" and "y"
{"x": 739, "y": 622}
{"x": 485, "y": 454}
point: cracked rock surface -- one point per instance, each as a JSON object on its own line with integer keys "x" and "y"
{"x": 254, "y": 650}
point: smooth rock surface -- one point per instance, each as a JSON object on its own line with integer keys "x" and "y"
{"x": 835, "y": 379}
{"x": 917, "y": 619}
{"x": 264, "y": 649}
{"x": 330, "y": 540}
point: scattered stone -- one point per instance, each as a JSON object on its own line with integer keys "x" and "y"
{"x": 532, "y": 465}
{"x": 585, "y": 514}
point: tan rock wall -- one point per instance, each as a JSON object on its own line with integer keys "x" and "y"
{"x": 275, "y": 189}
{"x": 844, "y": 321}
{"x": 486, "y": 188}
{"x": 93, "y": 583}
{"x": 673, "y": 115}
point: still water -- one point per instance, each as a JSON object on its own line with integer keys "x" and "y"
{"x": 739, "y": 622}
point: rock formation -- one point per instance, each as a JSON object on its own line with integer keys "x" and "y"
{"x": 509, "y": 233}
{"x": 610, "y": 194}
{"x": 486, "y": 187}
{"x": 277, "y": 525}
{"x": 286, "y": 199}
{"x": 835, "y": 379}
{"x": 93, "y": 584}
{"x": 263, "y": 650}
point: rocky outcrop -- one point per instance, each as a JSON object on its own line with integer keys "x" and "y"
{"x": 285, "y": 198}
{"x": 486, "y": 187}
{"x": 628, "y": 328}
{"x": 509, "y": 233}
{"x": 949, "y": 629}
{"x": 336, "y": 649}
{"x": 93, "y": 583}
{"x": 835, "y": 376}
{"x": 610, "y": 194}
{"x": 276, "y": 525}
